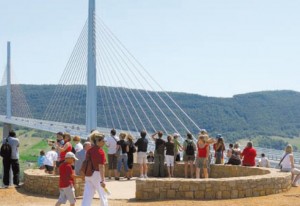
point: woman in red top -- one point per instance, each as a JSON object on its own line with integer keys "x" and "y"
{"x": 248, "y": 154}
{"x": 66, "y": 148}
{"x": 96, "y": 182}
{"x": 202, "y": 157}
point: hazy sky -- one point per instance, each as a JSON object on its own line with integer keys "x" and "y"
{"x": 212, "y": 47}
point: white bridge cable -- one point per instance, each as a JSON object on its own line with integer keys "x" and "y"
{"x": 129, "y": 113}
{"x": 53, "y": 106}
{"x": 145, "y": 91}
{"x": 113, "y": 89}
{"x": 124, "y": 80}
{"x": 69, "y": 85}
{"x": 20, "y": 106}
{"x": 103, "y": 108}
{"x": 55, "y": 102}
{"x": 122, "y": 46}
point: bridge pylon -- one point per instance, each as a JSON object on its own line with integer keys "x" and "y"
{"x": 91, "y": 97}
{"x": 7, "y": 127}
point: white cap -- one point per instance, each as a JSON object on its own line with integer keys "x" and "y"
{"x": 70, "y": 155}
{"x": 176, "y": 135}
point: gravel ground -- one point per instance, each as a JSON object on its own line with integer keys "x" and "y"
{"x": 19, "y": 197}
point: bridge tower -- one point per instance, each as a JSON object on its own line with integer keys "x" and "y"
{"x": 7, "y": 127}
{"x": 91, "y": 98}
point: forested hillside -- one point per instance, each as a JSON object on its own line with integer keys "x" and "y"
{"x": 261, "y": 113}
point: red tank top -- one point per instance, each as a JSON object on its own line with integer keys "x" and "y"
{"x": 202, "y": 152}
{"x": 63, "y": 154}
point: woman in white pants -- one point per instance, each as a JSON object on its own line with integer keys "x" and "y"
{"x": 96, "y": 182}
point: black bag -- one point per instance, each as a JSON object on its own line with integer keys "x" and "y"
{"x": 132, "y": 148}
{"x": 189, "y": 148}
{"x": 5, "y": 150}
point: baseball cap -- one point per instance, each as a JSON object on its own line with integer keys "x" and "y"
{"x": 218, "y": 136}
{"x": 70, "y": 155}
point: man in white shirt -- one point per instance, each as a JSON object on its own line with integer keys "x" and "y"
{"x": 263, "y": 162}
{"x": 111, "y": 143}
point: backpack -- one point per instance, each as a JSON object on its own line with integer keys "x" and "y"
{"x": 5, "y": 150}
{"x": 189, "y": 148}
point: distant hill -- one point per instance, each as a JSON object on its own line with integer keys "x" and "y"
{"x": 260, "y": 113}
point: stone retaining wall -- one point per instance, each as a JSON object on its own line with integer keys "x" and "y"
{"x": 255, "y": 182}
{"x": 37, "y": 181}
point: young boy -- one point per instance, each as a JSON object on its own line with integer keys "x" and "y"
{"x": 66, "y": 181}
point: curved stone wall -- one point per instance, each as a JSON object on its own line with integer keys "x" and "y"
{"x": 37, "y": 181}
{"x": 239, "y": 182}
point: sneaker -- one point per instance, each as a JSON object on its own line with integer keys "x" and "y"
{"x": 142, "y": 176}
{"x": 17, "y": 186}
{"x": 5, "y": 186}
{"x": 117, "y": 178}
{"x": 145, "y": 176}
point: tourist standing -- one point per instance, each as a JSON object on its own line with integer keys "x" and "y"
{"x": 142, "y": 145}
{"x": 66, "y": 180}
{"x": 59, "y": 144}
{"x": 202, "y": 156}
{"x": 67, "y": 147}
{"x": 189, "y": 149}
{"x": 81, "y": 157}
{"x": 111, "y": 144}
{"x": 248, "y": 155}
{"x": 13, "y": 161}
{"x": 177, "y": 146}
{"x": 219, "y": 148}
{"x": 78, "y": 146}
{"x": 123, "y": 158}
{"x": 96, "y": 182}
{"x": 159, "y": 155}
{"x": 132, "y": 150}
{"x": 288, "y": 165}
{"x": 170, "y": 156}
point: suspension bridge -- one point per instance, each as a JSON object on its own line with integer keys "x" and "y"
{"x": 117, "y": 91}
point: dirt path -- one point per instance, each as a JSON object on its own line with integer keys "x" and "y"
{"x": 18, "y": 197}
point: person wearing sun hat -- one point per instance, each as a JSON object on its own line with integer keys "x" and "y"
{"x": 66, "y": 180}
{"x": 96, "y": 182}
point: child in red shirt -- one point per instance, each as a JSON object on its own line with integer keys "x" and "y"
{"x": 66, "y": 181}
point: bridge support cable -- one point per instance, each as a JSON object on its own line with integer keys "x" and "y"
{"x": 104, "y": 88}
{"x": 54, "y": 111}
{"x": 142, "y": 67}
{"x": 67, "y": 87}
{"x": 116, "y": 51}
{"x": 108, "y": 64}
{"x": 121, "y": 45}
{"x": 146, "y": 90}
{"x": 123, "y": 99}
{"x": 114, "y": 92}
{"x": 110, "y": 58}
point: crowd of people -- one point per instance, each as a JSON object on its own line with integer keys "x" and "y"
{"x": 67, "y": 158}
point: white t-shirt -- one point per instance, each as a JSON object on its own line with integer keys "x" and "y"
{"x": 78, "y": 147}
{"x": 264, "y": 162}
{"x": 50, "y": 157}
{"x": 286, "y": 162}
{"x": 111, "y": 143}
